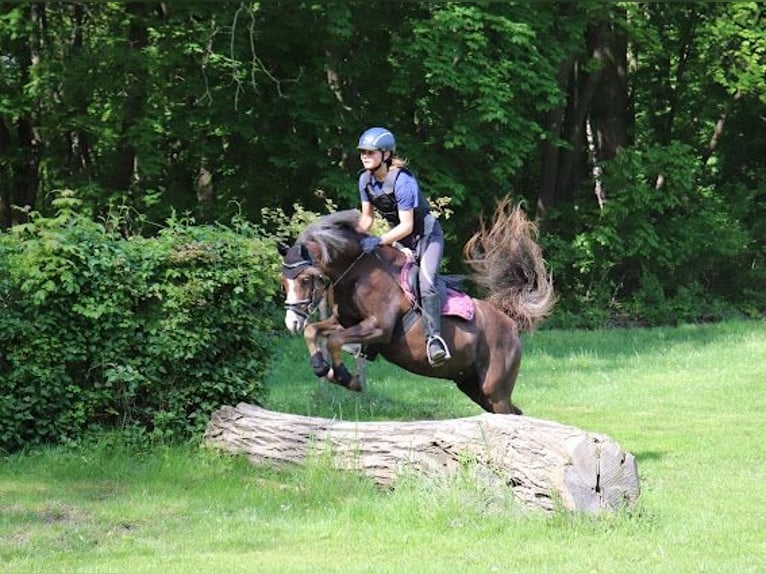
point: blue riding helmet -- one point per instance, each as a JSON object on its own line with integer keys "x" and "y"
{"x": 377, "y": 139}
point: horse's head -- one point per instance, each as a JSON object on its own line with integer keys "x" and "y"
{"x": 303, "y": 285}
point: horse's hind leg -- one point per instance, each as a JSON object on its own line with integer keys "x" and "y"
{"x": 493, "y": 385}
{"x": 471, "y": 388}
{"x": 499, "y": 405}
{"x": 499, "y": 380}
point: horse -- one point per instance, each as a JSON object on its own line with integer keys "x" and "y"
{"x": 371, "y": 307}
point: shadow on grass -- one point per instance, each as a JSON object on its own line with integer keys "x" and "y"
{"x": 615, "y": 343}
{"x": 646, "y": 455}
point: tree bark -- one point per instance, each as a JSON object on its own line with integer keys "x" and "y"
{"x": 125, "y": 170}
{"x": 718, "y": 130}
{"x": 609, "y": 114}
{"x": 545, "y": 464}
{"x": 551, "y": 151}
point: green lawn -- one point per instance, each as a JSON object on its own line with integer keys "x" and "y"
{"x": 689, "y": 402}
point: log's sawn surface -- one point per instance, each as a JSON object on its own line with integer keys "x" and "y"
{"x": 545, "y": 464}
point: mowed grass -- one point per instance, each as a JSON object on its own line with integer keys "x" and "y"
{"x": 689, "y": 402}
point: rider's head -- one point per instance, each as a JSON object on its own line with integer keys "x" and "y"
{"x": 376, "y": 146}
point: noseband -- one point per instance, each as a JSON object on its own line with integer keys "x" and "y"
{"x": 305, "y": 307}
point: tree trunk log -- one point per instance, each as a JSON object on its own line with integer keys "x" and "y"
{"x": 545, "y": 464}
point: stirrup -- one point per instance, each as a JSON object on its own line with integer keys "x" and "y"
{"x": 437, "y": 360}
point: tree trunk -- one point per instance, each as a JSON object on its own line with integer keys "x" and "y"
{"x": 5, "y": 188}
{"x": 608, "y": 43}
{"x": 124, "y": 173}
{"x": 79, "y": 156}
{"x": 718, "y": 130}
{"x": 545, "y": 464}
{"x": 573, "y": 161}
{"x": 25, "y": 181}
{"x": 551, "y": 151}
{"x": 597, "y": 99}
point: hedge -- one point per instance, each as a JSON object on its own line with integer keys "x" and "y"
{"x": 100, "y": 329}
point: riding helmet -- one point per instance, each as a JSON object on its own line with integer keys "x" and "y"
{"x": 377, "y": 139}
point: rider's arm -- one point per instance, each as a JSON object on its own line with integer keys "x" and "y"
{"x": 368, "y": 216}
{"x": 405, "y": 227}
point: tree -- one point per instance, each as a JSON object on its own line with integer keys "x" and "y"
{"x": 216, "y": 108}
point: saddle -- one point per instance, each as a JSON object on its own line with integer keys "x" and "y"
{"x": 455, "y": 303}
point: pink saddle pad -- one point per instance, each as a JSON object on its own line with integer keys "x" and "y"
{"x": 456, "y": 303}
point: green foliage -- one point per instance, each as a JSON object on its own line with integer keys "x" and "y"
{"x": 149, "y": 334}
{"x": 212, "y": 109}
{"x": 483, "y": 79}
{"x": 657, "y": 252}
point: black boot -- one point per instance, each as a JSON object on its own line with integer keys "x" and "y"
{"x": 436, "y": 348}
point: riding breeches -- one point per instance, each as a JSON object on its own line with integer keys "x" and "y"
{"x": 430, "y": 251}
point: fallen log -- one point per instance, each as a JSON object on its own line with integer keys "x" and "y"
{"x": 545, "y": 464}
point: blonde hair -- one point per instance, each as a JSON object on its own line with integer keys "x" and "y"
{"x": 399, "y": 162}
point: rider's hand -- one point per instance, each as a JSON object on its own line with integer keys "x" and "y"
{"x": 369, "y": 243}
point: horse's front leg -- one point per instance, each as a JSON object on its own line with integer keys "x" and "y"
{"x": 311, "y": 335}
{"x": 364, "y": 332}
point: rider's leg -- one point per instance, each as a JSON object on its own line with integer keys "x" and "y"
{"x": 430, "y": 257}
{"x": 436, "y": 346}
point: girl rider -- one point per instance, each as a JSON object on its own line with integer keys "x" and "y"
{"x": 386, "y": 185}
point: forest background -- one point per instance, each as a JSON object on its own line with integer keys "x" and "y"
{"x": 633, "y": 133}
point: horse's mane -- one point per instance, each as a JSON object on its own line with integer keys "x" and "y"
{"x": 334, "y": 233}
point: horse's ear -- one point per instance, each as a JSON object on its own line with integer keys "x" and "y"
{"x": 283, "y": 248}
{"x": 314, "y": 251}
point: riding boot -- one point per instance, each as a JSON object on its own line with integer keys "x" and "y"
{"x": 436, "y": 348}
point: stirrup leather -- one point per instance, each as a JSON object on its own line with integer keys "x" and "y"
{"x": 443, "y": 343}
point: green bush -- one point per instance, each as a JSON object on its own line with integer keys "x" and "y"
{"x": 651, "y": 256}
{"x": 148, "y": 334}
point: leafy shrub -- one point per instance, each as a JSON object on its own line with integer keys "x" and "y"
{"x": 652, "y": 255}
{"x": 153, "y": 334}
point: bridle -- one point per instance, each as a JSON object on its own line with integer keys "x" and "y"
{"x": 305, "y": 307}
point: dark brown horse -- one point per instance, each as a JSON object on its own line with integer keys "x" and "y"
{"x": 370, "y": 307}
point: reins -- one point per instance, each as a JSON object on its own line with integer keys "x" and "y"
{"x": 384, "y": 264}
{"x": 351, "y": 266}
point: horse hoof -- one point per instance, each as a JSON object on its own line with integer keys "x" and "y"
{"x": 319, "y": 365}
{"x": 355, "y": 385}
{"x": 342, "y": 376}
{"x": 322, "y": 370}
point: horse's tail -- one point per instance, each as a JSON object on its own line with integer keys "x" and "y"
{"x": 509, "y": 263}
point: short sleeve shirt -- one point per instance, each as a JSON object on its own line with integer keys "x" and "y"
{"x": 406, "y": 190}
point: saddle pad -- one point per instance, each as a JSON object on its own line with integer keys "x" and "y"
{"x": 457, "y": 304}
{"x": 454, "y": 303}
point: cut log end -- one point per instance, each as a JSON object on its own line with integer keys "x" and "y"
{"x": 547, "y": 465}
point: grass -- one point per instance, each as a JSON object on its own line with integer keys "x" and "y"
{"x": 689, "y": 402}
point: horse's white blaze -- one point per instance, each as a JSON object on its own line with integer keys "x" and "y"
{"x": 293, "y": 321}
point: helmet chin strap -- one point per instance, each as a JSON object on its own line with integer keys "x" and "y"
{"x": 372, "y": 170}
